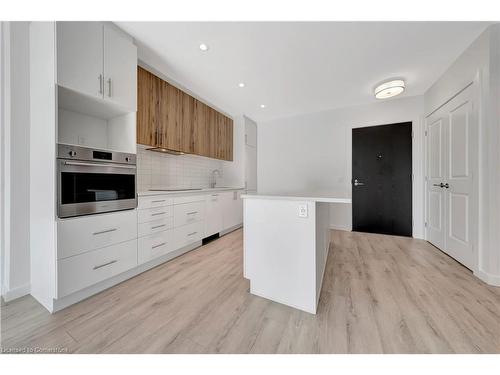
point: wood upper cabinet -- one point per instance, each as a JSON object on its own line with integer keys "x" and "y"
{"x": 148, "y": 88}
{"x": 187, "y": 123}
{"x": 169, "y": 118}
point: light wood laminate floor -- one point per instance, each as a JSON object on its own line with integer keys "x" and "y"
{"x": 381, "y": 294}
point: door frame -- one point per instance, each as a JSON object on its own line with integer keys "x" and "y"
{"x": 413, "y": 163}
{"x": 418, "y": 171}
{"x": 476, "y": 87}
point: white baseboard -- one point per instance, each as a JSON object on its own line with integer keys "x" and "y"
{"x": 20, "y": 291}
{"x": 341, "y": 227}
{"x": 488, "y": 278}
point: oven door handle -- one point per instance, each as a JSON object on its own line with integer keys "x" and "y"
{"x": 99, "y": 165}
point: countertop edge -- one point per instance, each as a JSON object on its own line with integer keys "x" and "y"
{"x": 187, "y": 192}
{"x": 298, "y": 198}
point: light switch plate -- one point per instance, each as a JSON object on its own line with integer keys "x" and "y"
{"x": 303, "y": 210}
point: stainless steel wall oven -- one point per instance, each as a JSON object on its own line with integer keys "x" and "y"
{"x": 93, "y": 181}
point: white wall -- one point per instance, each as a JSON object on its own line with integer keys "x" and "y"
{"x": 16, "y": 255}
{"x": 313, "y": 152}
{"x": 481, "y": 59}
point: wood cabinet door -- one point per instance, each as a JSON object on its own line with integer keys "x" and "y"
{"x": 187, "y": 123}
{"x": 120, "y": 61}
{"x": 229, "y": 139}
{"x": 80, "y": 57}
{"x": 201, "y": 130}
{"x": 170, "y": 116}
{"x": 148, "y": 94}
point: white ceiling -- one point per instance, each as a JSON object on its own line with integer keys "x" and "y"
{"x": 300, "y": 67}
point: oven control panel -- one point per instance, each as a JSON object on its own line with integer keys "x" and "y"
{"x": 88, "y": 154}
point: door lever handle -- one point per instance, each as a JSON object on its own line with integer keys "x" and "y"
{"x": 357, "y": 183}
{"x": 439, "y": 185}
{"x": 447, "y": 186}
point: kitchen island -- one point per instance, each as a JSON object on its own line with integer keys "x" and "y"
{"x": 286, "y": 243}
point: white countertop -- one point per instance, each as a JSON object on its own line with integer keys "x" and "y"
{"x": 327, "y": 197}
{"x": 184, "y": 192}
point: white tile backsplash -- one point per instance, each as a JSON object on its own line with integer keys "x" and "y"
{"x": 156, "y": 170}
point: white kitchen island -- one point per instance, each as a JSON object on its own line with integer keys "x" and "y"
{"x": 286, "y": 243}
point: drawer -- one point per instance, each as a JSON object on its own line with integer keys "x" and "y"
{"x": 156, "y": 226}
{"x": 150, "y": 214}
{"x": 155, "y": 245}
{"x": 189, "y": 199}
{"x": 79, "y": 235}
{"x": 189, "y": 213}
{"x": 84, "y": 270}
{"x": 188, "y": 234}
{"x": 154, "y": 201}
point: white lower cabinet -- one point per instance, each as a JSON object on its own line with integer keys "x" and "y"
{"x": 188, "y": 213}
{"x": 232, "y": 206}
{"x": 80, "y": 234}
{"x": 155, "y": 245}
{"x": 188, "y": 234}
{"x": 155, "y": 226}
{"x": 94, "y": 248}
{"x": 80, "y": 271}
{"x": 214, "y": 212}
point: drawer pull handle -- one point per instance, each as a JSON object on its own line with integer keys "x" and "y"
{"x": 158, "y": 213}
{"x": 158, "y": 226}
{"x": 104, "y": 231}
{"x": 163, "y": 200}
{"x": 192, "y": 213}
{"x": 215, "y": 195}
{"x": 105, "y": 264}
{"x": 192, "y": 233}
{"x": 159, "y": 245}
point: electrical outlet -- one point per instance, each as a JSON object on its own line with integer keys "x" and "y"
{"x": 303, "y": 210}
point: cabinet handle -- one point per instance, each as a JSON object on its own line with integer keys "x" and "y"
{"x": 104, "y": 265}
{"x": 192, "y": 213}
{"x": 159, "y": 245}
{"x": 101, "y": 84}
{"x": 158, "y": 213}
{"x": 192, "y": 233}
{"x": 109, "y": 87}
{"x": 158, "y": 226}
{"x": 104, "y": 231}
{"x": 163, "y": 200}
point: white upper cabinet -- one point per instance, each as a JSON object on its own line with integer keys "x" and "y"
{"x": 80, "y": 57}
{"x": 120, "y": 68}
{"x": 98, "y": 60}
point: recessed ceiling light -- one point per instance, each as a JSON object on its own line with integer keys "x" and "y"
{"x": 390, "y": 89}
{"x": 204, "y": 47}
{"x": 241, "y": 84}
{"x": 262, "y": 106}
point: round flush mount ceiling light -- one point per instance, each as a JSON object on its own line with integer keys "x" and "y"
{"x": 204, "y": 47}
{"x": 262, "y": 106}
{"x": 241, "y": 84}
{"x": 390, "y": 89}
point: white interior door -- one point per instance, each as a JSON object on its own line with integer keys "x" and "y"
{"x": 451, "y": 195}
{"x": 435, "y": 179}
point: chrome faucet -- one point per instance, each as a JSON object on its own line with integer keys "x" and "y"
{"x": 213, "y": 178}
